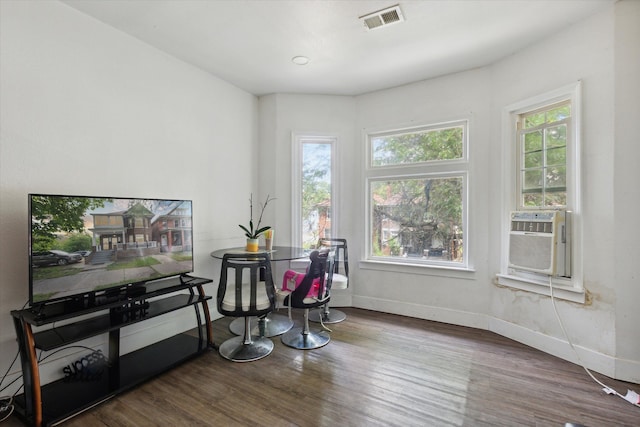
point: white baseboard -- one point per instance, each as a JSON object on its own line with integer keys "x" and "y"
{"x": 341, "y": 299}
{"x": 613, "y": 367}
{"x": 628, "y": 370}
{"x": 557, "y": 347}
{"x": 620, "y": 369}
{"x": 438, "y": 314}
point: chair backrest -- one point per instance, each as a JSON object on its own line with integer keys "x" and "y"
{"x": 341, "y": 258}
{"x": 254, "y": 297}
{"x": 321, "y": 261}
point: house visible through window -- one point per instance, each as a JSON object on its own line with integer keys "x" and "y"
{"x": 417, "y": 192}
{"x": 314, "y": 191}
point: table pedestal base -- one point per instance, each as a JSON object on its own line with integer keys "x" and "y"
{"x": 274, "y": 325}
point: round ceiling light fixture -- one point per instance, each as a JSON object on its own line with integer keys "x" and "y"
{"x": 300, "y": 60}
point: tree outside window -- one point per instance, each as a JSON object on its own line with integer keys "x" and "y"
{"x": 542, "y": 136}
{"x": 417, "y": 188}
{"x": 316, "y": 190}
{"x": 418, "y": 218}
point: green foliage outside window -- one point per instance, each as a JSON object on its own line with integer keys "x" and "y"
{"x": 410, "y": 216}
{"x": 543, "y": 139}
{"x": 416, "y": 147}
{"x": 417, "y": 216}
{"x": 316, "y": 192}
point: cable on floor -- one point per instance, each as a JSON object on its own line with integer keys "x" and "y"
{"x": 631, "y": 396}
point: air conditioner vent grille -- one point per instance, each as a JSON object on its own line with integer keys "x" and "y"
{"x": 391, "y": 16}
{"x": 373, "y": 22}
{"x": 381, "y": 18}
{"x": 532, "y": 226}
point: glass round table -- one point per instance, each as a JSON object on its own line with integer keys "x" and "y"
{"x": 272, "y": 324}
{"x": 278, "y": 253}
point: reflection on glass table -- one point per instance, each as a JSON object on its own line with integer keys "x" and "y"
{"x": 278, "y": 253}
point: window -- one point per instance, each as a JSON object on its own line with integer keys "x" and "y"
{"x": 417, "y": 193}
{"x": 542, "y": 156}
{"x": 314, "y": 192}
{"x": 541, "y": 146}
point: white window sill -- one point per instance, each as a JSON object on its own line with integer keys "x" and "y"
{"x": 299, "y": 264}
{"x": 562, "y": 288}
{"x": 415, "y": 268}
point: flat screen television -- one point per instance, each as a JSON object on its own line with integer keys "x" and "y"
{"x": 83, "y": 246}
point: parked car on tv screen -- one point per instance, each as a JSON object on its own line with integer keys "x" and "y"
{"x": 54, "y": 257}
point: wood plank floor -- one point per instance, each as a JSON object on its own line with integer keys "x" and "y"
{"x": 378, "y": 370}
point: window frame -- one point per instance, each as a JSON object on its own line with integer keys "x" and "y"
{"x": 298, "y": 140}
{"x": 565, "y": 288}
{"x": 459, "y": 167}
{"x": 520, "y": 167}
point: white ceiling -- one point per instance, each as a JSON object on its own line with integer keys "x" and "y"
{"x": 250, "y": 43}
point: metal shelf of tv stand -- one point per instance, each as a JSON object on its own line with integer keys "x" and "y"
{"x": 62, "y": 310}
{"x": 56, "y": 401}
{"x": 77, "y": 331}
{"x": 121, "y": 313}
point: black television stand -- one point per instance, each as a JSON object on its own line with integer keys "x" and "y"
{"x": 49, "y": 404}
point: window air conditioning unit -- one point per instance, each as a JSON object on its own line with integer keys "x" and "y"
{"x": 540, "y": 242}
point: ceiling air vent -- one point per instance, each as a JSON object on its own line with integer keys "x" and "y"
{"x": 382, "y": 18}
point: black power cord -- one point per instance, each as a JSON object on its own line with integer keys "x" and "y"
{"x": 6, "y": 402}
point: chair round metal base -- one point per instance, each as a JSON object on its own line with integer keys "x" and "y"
{"x": 236, "y": 350}
{"x": 274, "y": 325}
{"x": 296, "y": 339}
{"x": 334, "y": 316}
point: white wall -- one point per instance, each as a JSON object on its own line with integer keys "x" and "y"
{"x": 282, "y": 114}
{"x": 82, "y": 104}
{"x": 88, "y": 110}
{"x": 459, "y": 297}
{"x": 626, "y": 248}
{"x": 583, "y": 52}
{"x": 602, "y": 52}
